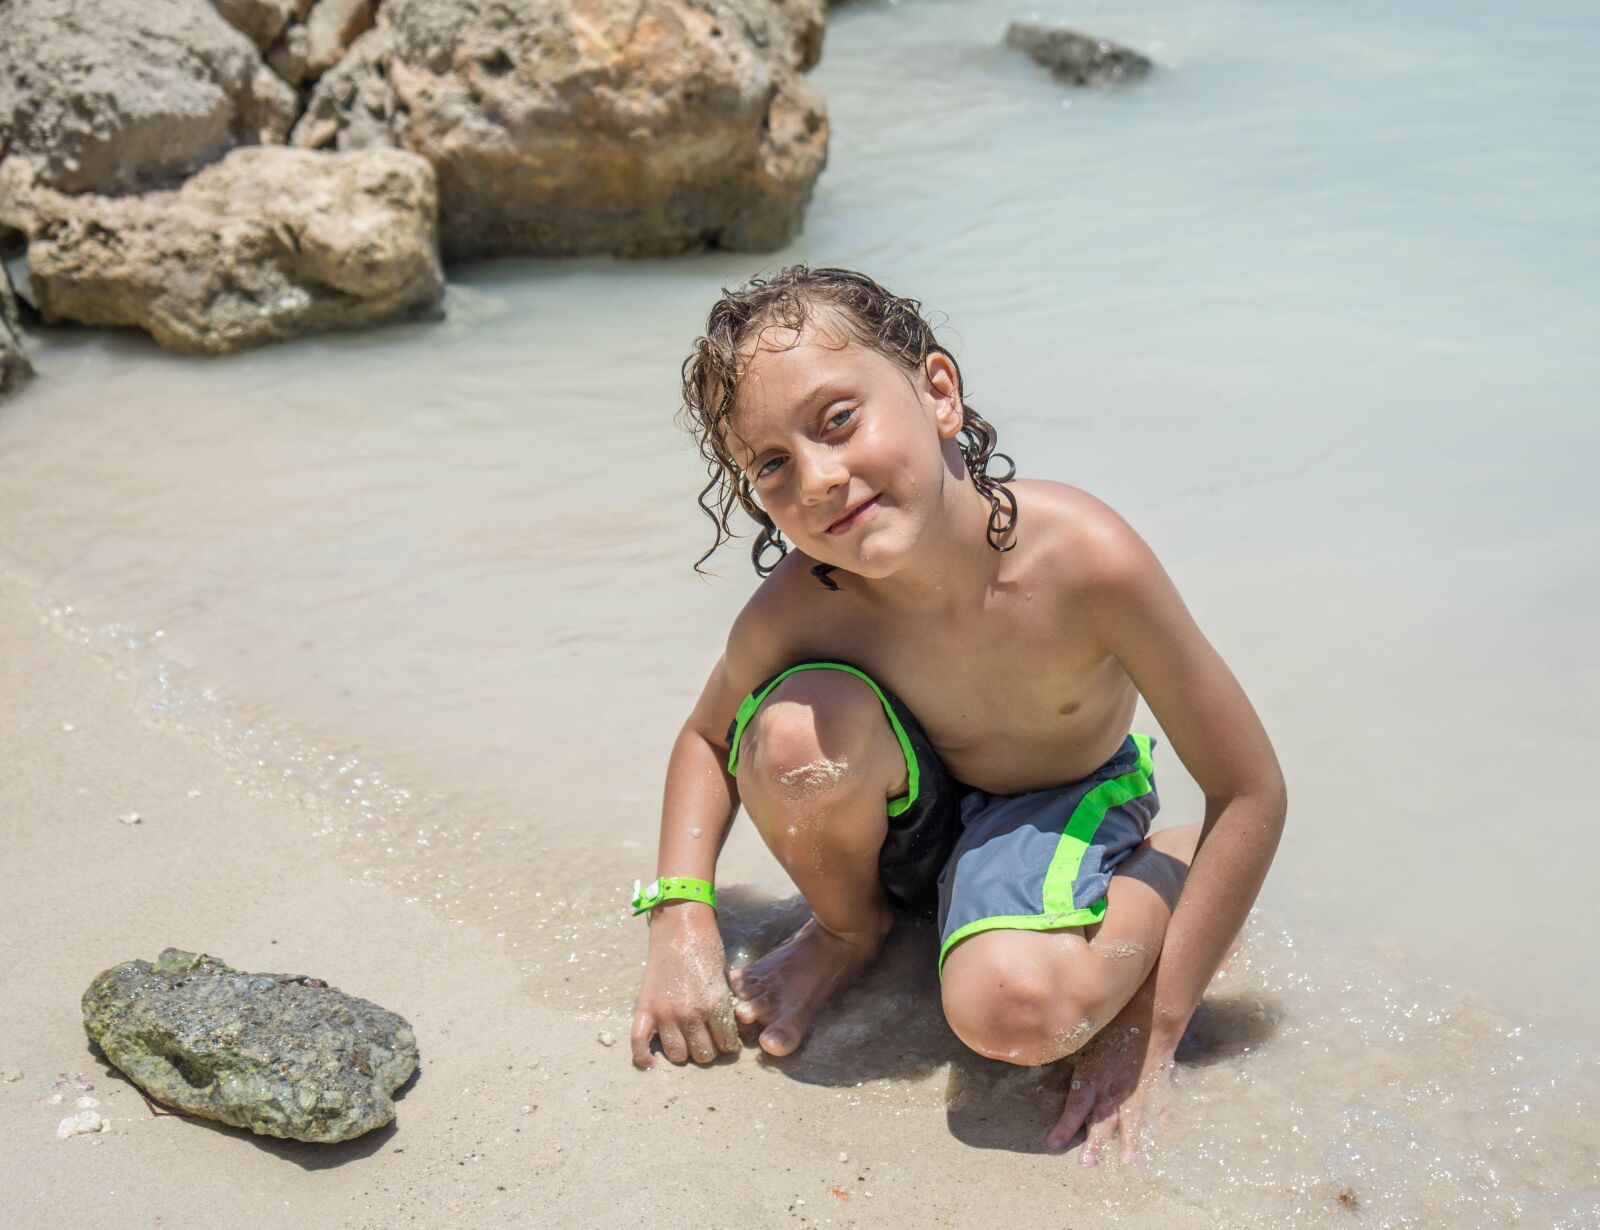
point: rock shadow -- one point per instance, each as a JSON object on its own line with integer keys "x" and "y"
{"x": 307, "y": 1155}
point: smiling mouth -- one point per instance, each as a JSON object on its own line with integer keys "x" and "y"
{"x": 853, "y": 516}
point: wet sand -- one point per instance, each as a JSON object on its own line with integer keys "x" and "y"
{"x": 239, "y": 876}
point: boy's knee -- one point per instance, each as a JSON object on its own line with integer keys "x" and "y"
{"x": 1018, "y": 1009}
{"x": 808, "y": 740}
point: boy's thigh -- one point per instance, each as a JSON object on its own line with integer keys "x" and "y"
{"x": 1045, "y": 862}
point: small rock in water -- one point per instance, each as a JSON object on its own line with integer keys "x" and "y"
{"x": 10, "y": 1076}
{"x": 844, "y": 1157}
{"x": 68, "y": 727}
{"x": 283, "y": 1055}
{"x": 1075, "y": 58}
{"x": 131, "y": 817}
{"x": 81, "y": 1124}
{"x": 194, "y": 794}
{"x": 87, "y": 1103}
{"x": 607, "y": 1038}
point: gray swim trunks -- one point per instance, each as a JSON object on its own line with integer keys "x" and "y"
{"x": 986, "y": 862}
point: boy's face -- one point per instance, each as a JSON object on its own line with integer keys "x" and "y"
{"x": 846, "y": 450}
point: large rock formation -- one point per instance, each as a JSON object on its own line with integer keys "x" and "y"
{"x": 266, "y": 244}
{"x": 282, "y": 1055}
{"x": 14, "y": 364}
{"x": 122, "y": 95}
{"x": 559, "y": 127}
{"x": 1076, "y": 58}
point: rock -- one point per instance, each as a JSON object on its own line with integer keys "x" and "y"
{"x": 10, "y": 1076}
{"x": 123, "y": 95}
{"x": 261, "y": 20}
{"x": 560, "y": 127}
{"x": 1076, "y": 58}
{"x": 290, "y": 55}
{"x": 267, "y": 244}
{"x": 282, "y": 1055}
{"x": 131, "y": 817}
{"x": 14, "y": 364}
{"x": 330, "y": 29}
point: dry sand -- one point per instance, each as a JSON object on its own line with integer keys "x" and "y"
{"x": 520, "y": 1114}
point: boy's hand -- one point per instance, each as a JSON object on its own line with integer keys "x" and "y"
{"x": 684, "y": 999}
{"x": 1118, "y": 1085}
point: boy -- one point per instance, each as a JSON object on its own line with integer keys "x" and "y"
{"x": 929, "y": 700}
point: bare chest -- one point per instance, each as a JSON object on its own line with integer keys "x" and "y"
{"x": 1012, "y": 699}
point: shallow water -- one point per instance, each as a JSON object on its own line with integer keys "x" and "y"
{"x": 1313, "y": 307}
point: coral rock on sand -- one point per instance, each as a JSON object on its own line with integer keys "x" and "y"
{"x": 1075, "y": 58}
{"x": 14, "y": 364}
{"x": 120, "y": 95}
{"x": 281, "y": 1055}
{"x": 559, "y": 127}
{"x": 269, "y": 243}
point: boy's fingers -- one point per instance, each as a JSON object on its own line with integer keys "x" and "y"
{"x": 672, "y": 1044}
{"x": 700, "y": 1048}
{"x": 1128, "y": 1120}
{"x": 725, "y": 1030}
{"x": 1079, "y": 1102}
{"x": 643, "y": 1030}
{"x": 1101, "y": 1124}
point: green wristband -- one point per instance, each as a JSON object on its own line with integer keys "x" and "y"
{"x": 671, "y": 888}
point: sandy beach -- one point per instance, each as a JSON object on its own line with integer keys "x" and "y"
{"x": 520, "y": 1115}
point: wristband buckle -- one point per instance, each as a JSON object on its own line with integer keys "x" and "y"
{"x": 671, "y": 888}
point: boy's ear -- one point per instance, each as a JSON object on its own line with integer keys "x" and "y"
{"x": 944, "y": 389}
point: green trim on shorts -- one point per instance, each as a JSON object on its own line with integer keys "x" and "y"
{"x": 1059, "y": 910}
{"x": 747, "y": 710}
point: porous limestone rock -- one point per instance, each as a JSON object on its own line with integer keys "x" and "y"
{"x": 331, "y": 27}
{"x": 123, "y": 95}
{"x": 1075, "y": 58}
{"x": 269, "y": 243}
{"x": 262, "y": 20}
{"x": 559, "y": 127}
{"x": 283, "y": 1055}
{"x": 14, "y": 364}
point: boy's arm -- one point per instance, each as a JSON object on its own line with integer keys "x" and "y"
{"x": 1216, "y": 733}
{"x": 684, "y": 997}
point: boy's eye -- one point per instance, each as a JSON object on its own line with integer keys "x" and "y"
{"x": 843, "y": 417}
{"x": 769, "y": 466}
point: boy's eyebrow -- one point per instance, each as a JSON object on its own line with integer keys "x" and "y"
{"x": 831, "y": 385}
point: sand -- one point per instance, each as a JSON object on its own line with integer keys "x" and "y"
{"x": 520, "y": 1115}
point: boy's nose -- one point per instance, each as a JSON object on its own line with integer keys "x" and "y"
{"x": 820, "y": 472}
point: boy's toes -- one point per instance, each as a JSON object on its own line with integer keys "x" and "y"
{"x": 749, "y": 1011}
{"x": 782, "y": 1037}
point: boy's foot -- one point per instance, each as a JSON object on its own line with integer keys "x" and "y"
{"x": 786, "y": 989}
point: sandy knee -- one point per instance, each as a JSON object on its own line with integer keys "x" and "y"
{"x": 815, "y": 738}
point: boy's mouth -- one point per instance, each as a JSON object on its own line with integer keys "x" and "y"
{"x": 853, "y": 515}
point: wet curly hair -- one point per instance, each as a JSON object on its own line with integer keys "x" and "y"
{"x": 874, "y": 317}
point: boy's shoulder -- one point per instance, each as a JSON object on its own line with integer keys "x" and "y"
{"x": 1074, "y": 537}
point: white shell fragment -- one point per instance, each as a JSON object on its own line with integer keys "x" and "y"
{"x": 607, "y": 1038}
{"x": 83, "y": 1123}
{"x": 131, "y": 817}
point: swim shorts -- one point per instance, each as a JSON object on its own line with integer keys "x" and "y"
{"x": 989, "y": 862}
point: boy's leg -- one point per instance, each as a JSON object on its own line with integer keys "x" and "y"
{"x": 817, "y": 763}
{"x": 1030, "y": 997}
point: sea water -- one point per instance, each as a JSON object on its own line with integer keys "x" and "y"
{"x": 1313, "y": 306}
